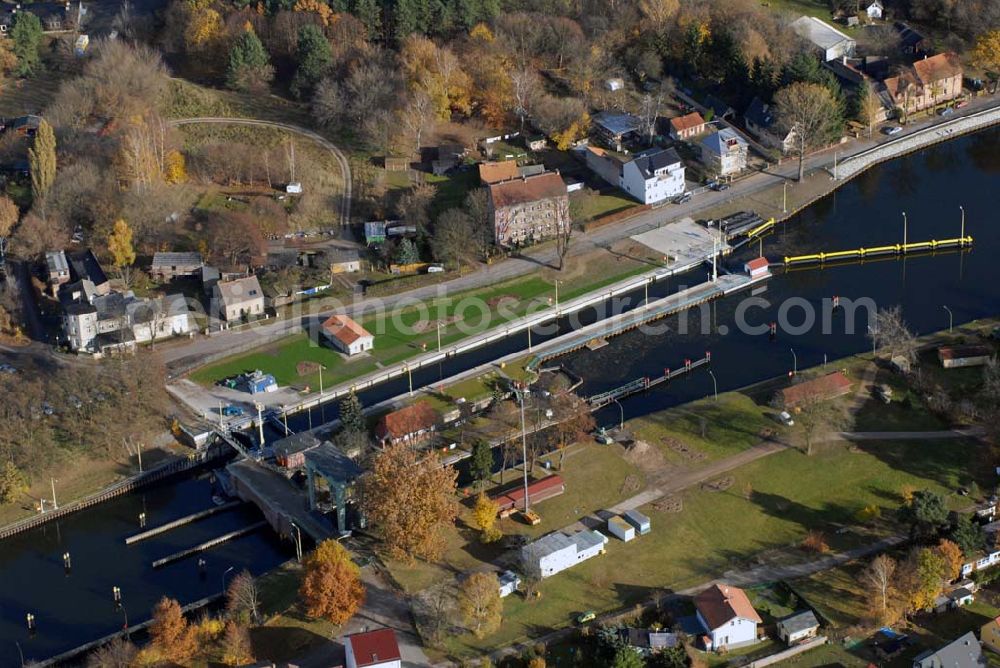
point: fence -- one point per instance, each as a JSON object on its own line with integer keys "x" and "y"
{"x": 788, "y": 653}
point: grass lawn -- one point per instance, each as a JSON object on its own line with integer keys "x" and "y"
{"x": 836, "y": 594}
{"x": 817, "y": 8}
{"x": 824, "y": 656}
{"x": 718, "y": 531}
{"x": 731, "y": 424}
{"x": 405, "y": 333}
{"x": 588, "y": 207}
{"x": 288, "y": 632}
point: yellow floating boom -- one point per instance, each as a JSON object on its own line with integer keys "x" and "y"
{"x": 760, "y": 229}
{"x": 894, "y": 249}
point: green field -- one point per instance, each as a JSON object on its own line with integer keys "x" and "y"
{"x": 717, "y": 531}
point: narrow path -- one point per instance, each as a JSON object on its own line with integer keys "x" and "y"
{"x": 338, "y": 155}
{"x": 965, "y": 432}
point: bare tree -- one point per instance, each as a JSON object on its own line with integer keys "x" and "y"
{"x": 814, "y": 413}
{"x": 524, "y": 85}
{"x": 242, "y": 597}
{"x": 890, "y": 333}
{"x": 418, "y": 116}
{"x": 812, "y": 112}
{"x": 879, "y": 576}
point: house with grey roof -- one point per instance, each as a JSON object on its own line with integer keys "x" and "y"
{"x": 170, "y": 265}
{"x": 58, "y": 269}
{"x": 965, "y": 652}
{"x": 827, "y": 40}
{"x": 558, "y": 551}
{"x": 615, "y": 128}
{"x": 761, "y": 122}
{"x": 724, "y": 152}
{"x": 238, "y": 298}
{"x": 650, "y": 176}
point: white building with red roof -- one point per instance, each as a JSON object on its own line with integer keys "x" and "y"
{"x": 346, "y": 335}
{"x": 373, "y": 649}
{"x": 727, "y": 616}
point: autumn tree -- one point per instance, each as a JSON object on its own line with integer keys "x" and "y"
{"x": 813, "y": 113}
{"x": 250, "y": 66}
{"x": 562, "y": 119}
{"x": 484, "y": 515}
{"x": 869, "y": 107}
{"x": 878, "y": 576}
{"x": 122, "y": 251}
{"x": 313, "y": 57}
{"x": 42, "y": 160}
{"x": 986, "y": 53}
{"x": 436, "y": 72}
{"x": 13, "y": 483}
{"x": 203, "y": 28}
{"x": 815, "y": 413}
{"x": 242, "y": 598}
{"x": 237, "y": 649}
{"x": 923, "y": 575}
{"x": 410, "y": 499}
{"x": 117, "y": 653}
{"x": 9, "y": 214}
{"x": 952, "y": 556}
{"x": 26, "y": 33}
{"x": 174, "y": 639}
{"x": 175, "y": 169}
{"x": 331, "y": 584}
{"x": 480, "y": 604}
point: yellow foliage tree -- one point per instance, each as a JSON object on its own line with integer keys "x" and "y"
{"x": 176, "y": 168}
{"x": 952, "y": 555}
{"x": 204, "y": 28}
{"x": 479, "y": 601}
{"x": 317, "y": 7}
{"x": 576, "y": 130}
{"x": 484, "y": 515}
{"x": 986, "y": 54}
{"x": 481, "y": 33}
{"x": 331, "y": 586}
{"x": 437, "y": 72}
{"x": 121, "y": 249}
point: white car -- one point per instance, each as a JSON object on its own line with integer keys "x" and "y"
{"x": 785, "y": 418}
{"x": 893, "y": 130}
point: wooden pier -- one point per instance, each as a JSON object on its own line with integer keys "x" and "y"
{"x": 188, "y": 519}
{"x": 645, "y": 383}
{"x": 208, "y": 544}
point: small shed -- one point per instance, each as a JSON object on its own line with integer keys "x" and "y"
{"x": 290, "y": 452}
{"x": 620, "y": 528}
{"x": 258, "y": 382}
{"x": 638, "y": 520}
{"x": 509, "y": 582}
{"x": 757, "y": 267}
{"x": 798, "y": 627}
{"x": 954, "y": 357}
{"x": 961, "y": 596}
{"x": 535, "y": 142}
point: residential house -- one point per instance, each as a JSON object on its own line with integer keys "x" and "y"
{"x": 651, "y": 176}
{"x": 761, "y": 123}
{"x": 412, "y": 425}
{"x": 955, "y": 357}
{"x": 238, "y": 298}
{"x": 875, "y": 10}
{"x": 153, "y": 319}
{"x": 373, "y": 649}
{"x": 983, "y": 561}
{"x": 58, "y": 270}
{"x": 798, "y": 627}
{"x": 827, "y": 40}
{"x": 926, "y": 83}
{"x": 83, "y": 265}
{"x": 686, "y": 127}
{"x": 647, "y": 642}
{"x": 728, "y": 618}
{"x": 724, "y": 152}
{"x": 94, "y": 323}
{"x": 529, "y": 209}
{"x": 25, "y": 126}
{"x": 497, "y": 172}
{"x": 615, "y": 129}
{"x": 346, "y": 335}
{"x": 824, "y": 388}
{"x": 171, "y": 265}
{"x": 558, "y": 551}
{"x": 989, "y": 635}
{"x": 719, "y": 108}
{"x": 344, "y": 260}
{"x": 965, "y": 652}
{"x": 535, "y": 142}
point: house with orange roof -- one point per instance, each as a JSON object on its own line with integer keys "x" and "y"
{"x": 727, "y": 616}
{"x": 346, "y": 335}
{"x": 498, "y": 172}
{"x": 528, "y": 209}
{"x": 683, "y": 128}
{"x": 927, "y": 83}
{"x": 412, "y": 425}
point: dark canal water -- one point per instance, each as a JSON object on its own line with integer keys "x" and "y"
{"x": 930, "y": 186}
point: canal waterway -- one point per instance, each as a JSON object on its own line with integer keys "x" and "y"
{"x": 929, "y": 185}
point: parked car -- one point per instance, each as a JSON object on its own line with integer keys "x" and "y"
{"x": 884, "y": 392}
{"x": 681, "y": 199}
{"x": 961, "y": 103}
{"x": 892, "y": 130}
{"x": 947, "y": 111}
{"x": 785, "y": 418}
{"x": 7, "y": 368}
{"x": 720, "y": 186}
{"x": 435, "y": 269}
{"x": 603, "y": 438}
{"x": 585, "y": 617}
{"x": 232, "y": 411}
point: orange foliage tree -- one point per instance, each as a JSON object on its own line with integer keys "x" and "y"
{"x": 410, "y": 498}
{"x": 331, "y": 587}
{"x": 172, "y": 636}
{"x": 952, "y": 555}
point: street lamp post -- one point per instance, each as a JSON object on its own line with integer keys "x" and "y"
{"x": 962, "y": 235}
{"x": 556, "y": 282}
{"x": 439, "y": 335}
{"x": 795, "y": 362}
{"x": 524, "y": 449}
{"x": 874, "y": 335}
{"x": 621, "y": 423}
{"x": 715, "y": 385}
{"x": 298, "y": 541}
{"x": 951, "y": 317}
{"x": 784, "y": 196}
{"x": 55, "y": 505}
{"x": 904, "y": 231}
{"x": 224, "y": 574}
{"x": 322, "y": 406}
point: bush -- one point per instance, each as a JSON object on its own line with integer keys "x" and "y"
{"x": 815, "y": 541}
{"x": 868, "y": 514}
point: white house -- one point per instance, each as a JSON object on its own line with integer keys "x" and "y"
{"x": 558, "y": 551}
{"x": 651, "y": 176}
{"x": 724, "y": 152}
{"x": 875, "y": 10}
{"x": 830, "y": 42}
{"x": 346, "y": 335}
{"x": 509, "y": 582}
{"x": 798, "y": 627}
{"x": 239, "y": 298}
{"x": 373, "y": 649}
{"x": 620, "y": 528}
{"x": 159, "y": 318}
{"x": 727, "y": 616}
{"x": 985, "y": 561}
